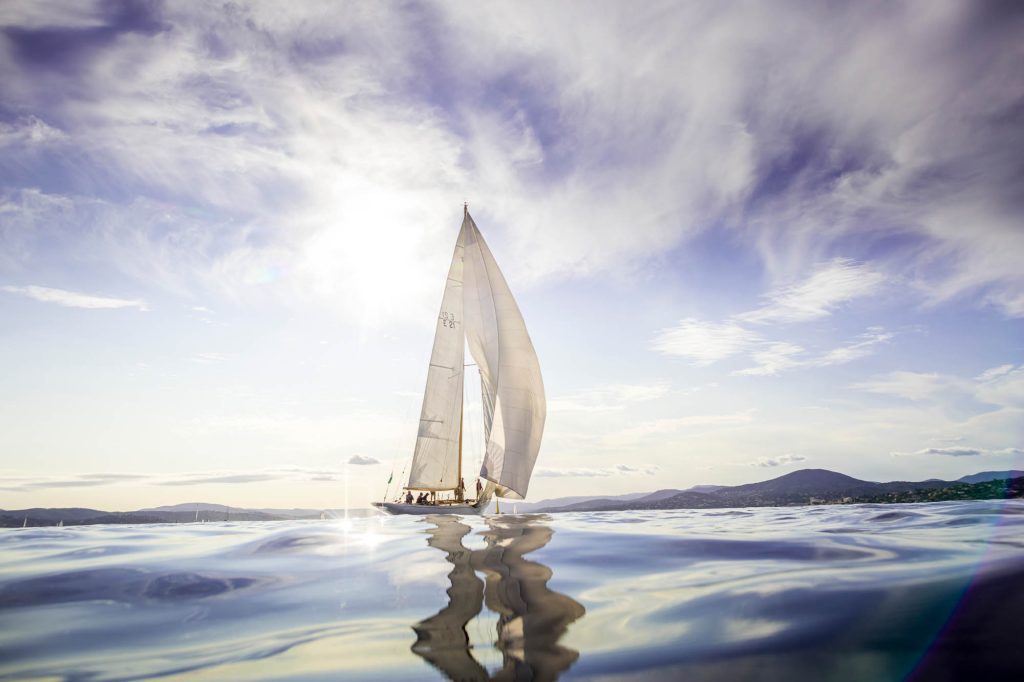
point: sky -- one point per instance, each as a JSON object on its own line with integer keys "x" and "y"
{"x": 746, "y": 238}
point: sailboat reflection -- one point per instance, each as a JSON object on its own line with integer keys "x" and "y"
{"x": 531, "y": 617}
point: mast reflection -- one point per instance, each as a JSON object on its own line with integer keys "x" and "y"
{"x": 531, "y": 617}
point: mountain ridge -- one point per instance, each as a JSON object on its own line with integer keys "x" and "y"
{"x": 807, "y": 486}
{"x": 801, "y": 487}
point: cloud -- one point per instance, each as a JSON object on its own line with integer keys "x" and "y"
{"x": 780, "y": 460}
{"x": 585, "y": 472}
{"x": 915, "y": 386}
{"x": 200, "y": 479}
{"x": 608, "y": 398}
{"x": 829, "y": 286}
{"x": 780, "y": 356}
{"x": 654, "y": 427}
{"x": 853, "y": 351}
{"x": 208, "y": 358}
{"x": 773, "y": 359}
{"x": 73, "y": 299}
{"x": 594, "y": 472}
{"x": 703, "y": 342}
{"x": 958, "y": 451}
{"x": 362, "y": 460}
{"x": 994, "y": 372}
{"x": 89, "y": 480}
{"x": 188, "y": 172}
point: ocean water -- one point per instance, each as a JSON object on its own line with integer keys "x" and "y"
{"x": 859, "y": 592}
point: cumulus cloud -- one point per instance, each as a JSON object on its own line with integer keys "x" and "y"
{"x": 362, "y": 460}
{"x": 72, "y": 299}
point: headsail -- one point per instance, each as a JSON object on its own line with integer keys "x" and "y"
{"x": 514, "y": 406}
{"x": 435, "y": 464}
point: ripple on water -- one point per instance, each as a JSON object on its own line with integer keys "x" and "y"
{"x": 124, "y": 585}
{"x": 845, "y": 592}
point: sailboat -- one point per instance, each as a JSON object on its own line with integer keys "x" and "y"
{"x": 478, "y": 311}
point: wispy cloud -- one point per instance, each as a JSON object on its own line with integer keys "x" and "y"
{"x": 819, "y": 295}
{"x": 362, "y": 460}
{"x": 330, "y": 135}
{"x": 829, "y": 286}
{"x": 594, "y": 472}
{"x": 858, "y": 349}
{"x": 608, "y": 398}
{"x": 905, "y": 384}
{"x": 994, "y": 373}
{"x": 958, "y": 451}
{"x": 773, "y": 359}
{"x": 208, "y": 358}
{"x": 654, "y": 427}
{"x": 207, "y": 479}
{"x": 778, "y": 357}
{"x": 17, "y": 483}
{"x": 72, "y": 299}
{"x": 703, "y": 342}
{"x": 780, "y": 460}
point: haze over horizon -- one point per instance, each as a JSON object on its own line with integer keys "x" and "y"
{"x": 746, "y": 239}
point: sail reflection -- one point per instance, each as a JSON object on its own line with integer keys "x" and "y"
{"x": 531, "y": 617}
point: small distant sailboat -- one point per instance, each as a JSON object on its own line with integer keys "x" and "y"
{"x": 25, "y": 522}
{"x": 478, "y": 311}
{"x": 60, "y": 524}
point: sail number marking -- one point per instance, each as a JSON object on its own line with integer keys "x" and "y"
{"x": 448, "y": 320}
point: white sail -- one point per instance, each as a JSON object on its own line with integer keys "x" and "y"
{"x": 435, "y": 464}
{"x": 514, "y": 406}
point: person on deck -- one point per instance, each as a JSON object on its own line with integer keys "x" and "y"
{"x": 408, "y": 497}
{"x": 479, "y": 488}
{"x": 460, "y": 490}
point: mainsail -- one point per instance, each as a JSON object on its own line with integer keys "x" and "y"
{"x": 478, "y": 310}
{"x": 435, "y": 463}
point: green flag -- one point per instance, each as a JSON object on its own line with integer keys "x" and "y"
{"x": 390, "y": 477}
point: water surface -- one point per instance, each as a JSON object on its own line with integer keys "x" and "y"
{"x": 859, "y": 592}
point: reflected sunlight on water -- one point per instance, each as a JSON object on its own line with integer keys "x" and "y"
{"x": 834, "y": 593}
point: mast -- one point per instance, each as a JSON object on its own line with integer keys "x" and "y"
{"x": 458, "y": 473}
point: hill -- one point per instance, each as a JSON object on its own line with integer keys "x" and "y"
{"x": 191, "y": 512}
{"x": 810, "y": 486}
{"x": 983, "y": 476}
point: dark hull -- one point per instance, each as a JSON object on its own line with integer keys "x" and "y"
{"x": 398, "y": 508}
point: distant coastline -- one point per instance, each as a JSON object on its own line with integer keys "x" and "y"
{"x": 181, "y": 513}
{"x": 799, "y": 488}
{"x": 812, "y": 487}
